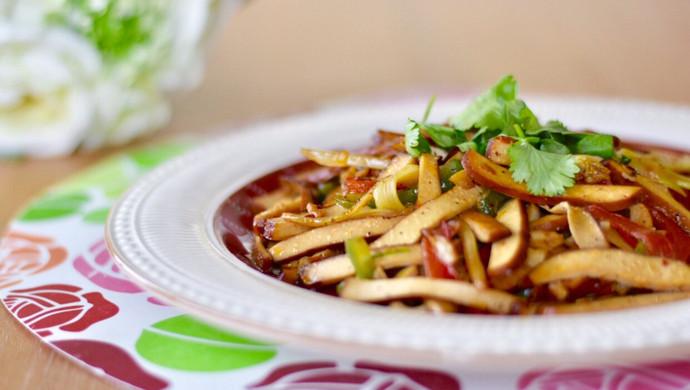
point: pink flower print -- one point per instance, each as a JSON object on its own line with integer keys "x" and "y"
{"x": 24, "y": 254}
{"x": 61, "y": 306}
{"x": 98, "y": 266}
{"x": 667, "y": 375}
{"x": 374, "y": 376}
{"x": 113, "y": 360}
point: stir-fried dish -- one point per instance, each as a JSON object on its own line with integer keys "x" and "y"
{"x": 489, "y": 212}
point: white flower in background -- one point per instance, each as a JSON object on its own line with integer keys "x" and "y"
{"x": 124, "y": 113}
{"x": 195, "y": 21}
{"x": 46, "y": 78}
{"x": 88, "y": 73}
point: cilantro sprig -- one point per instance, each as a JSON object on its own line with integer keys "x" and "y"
{"x": 543, "y": 172}
{"x": 542, "y": 156}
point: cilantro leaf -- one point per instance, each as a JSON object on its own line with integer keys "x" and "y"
{"x": 595, "y": 144}
{"x": 552, "y": 146}
{"x": 517, "y": 113}
{"x": 544, "y": 173}
{"x": 443, "y": 136}
{"x": 415, "y": 143}
{"x": 482, "y": 137}
{"x": 494, "y": 112}
{"x": 551, "y": 127}
{"x": 487, "y": 109}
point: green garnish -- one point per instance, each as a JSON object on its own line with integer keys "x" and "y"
{"x": 408, "y": 196}
{"x": 541, "y": 157}
{"x": 415, "y": 143}
{"x": 345, "y": 201}
{"x": 448, "y": 169}
{"x": 625, "y": 160}
{"x": 490, "y": 202}
{"x": 543, "y": 172}
{"x": 324, "y": 189}
{"x": 360, "y": 255}
{"x": 495, "y": 108}
{"x": 595, "y": 144}
{"x": 442, "y": 135}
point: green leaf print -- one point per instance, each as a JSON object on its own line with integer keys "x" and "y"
{"x": 108, "y": 178}
{"x": 150, "y": 157}
{"x": 54, "y": 206}
{"x": 184, "y": 343}
{"x": 112, "y": 175}
{"x": 115, "y": 174}
{"x": 97, "y": 216}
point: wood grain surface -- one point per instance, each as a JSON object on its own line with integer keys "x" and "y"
{"x": 278, "y": 57}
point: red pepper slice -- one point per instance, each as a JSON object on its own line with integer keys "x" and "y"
{"x": 434, "y": 265}
{"x": 358, "y": 185}
{"x": 655, "y": 242}
{"x": 675, "y": 234}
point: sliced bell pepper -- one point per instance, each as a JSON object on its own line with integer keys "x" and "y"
{"x": 358, "y": 185}
{"x": 655, "y": 242}
{"x": 678, "y": 236}
{"x": 358, "y": 250}
{"x": 436, "y": 257}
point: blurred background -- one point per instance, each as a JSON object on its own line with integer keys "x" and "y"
{"x": 281, "y": 56}
{"x": 276, "y": 57}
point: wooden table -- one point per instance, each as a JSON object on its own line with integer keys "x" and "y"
{"x": 277, "y": 57}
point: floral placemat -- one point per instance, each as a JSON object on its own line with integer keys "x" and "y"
{"x": 58, "y": 279}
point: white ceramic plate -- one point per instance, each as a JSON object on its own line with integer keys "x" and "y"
{"x": 161, "y": 233}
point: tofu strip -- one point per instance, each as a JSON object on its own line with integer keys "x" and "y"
{"x": 462, "y": 293}
{"x": 606, "y": 304}
{"x": 336, "y": 268}
{"x": 629, "y": 268}
{"x": 408, "y": 230}
{"x": 331, "y": 234}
